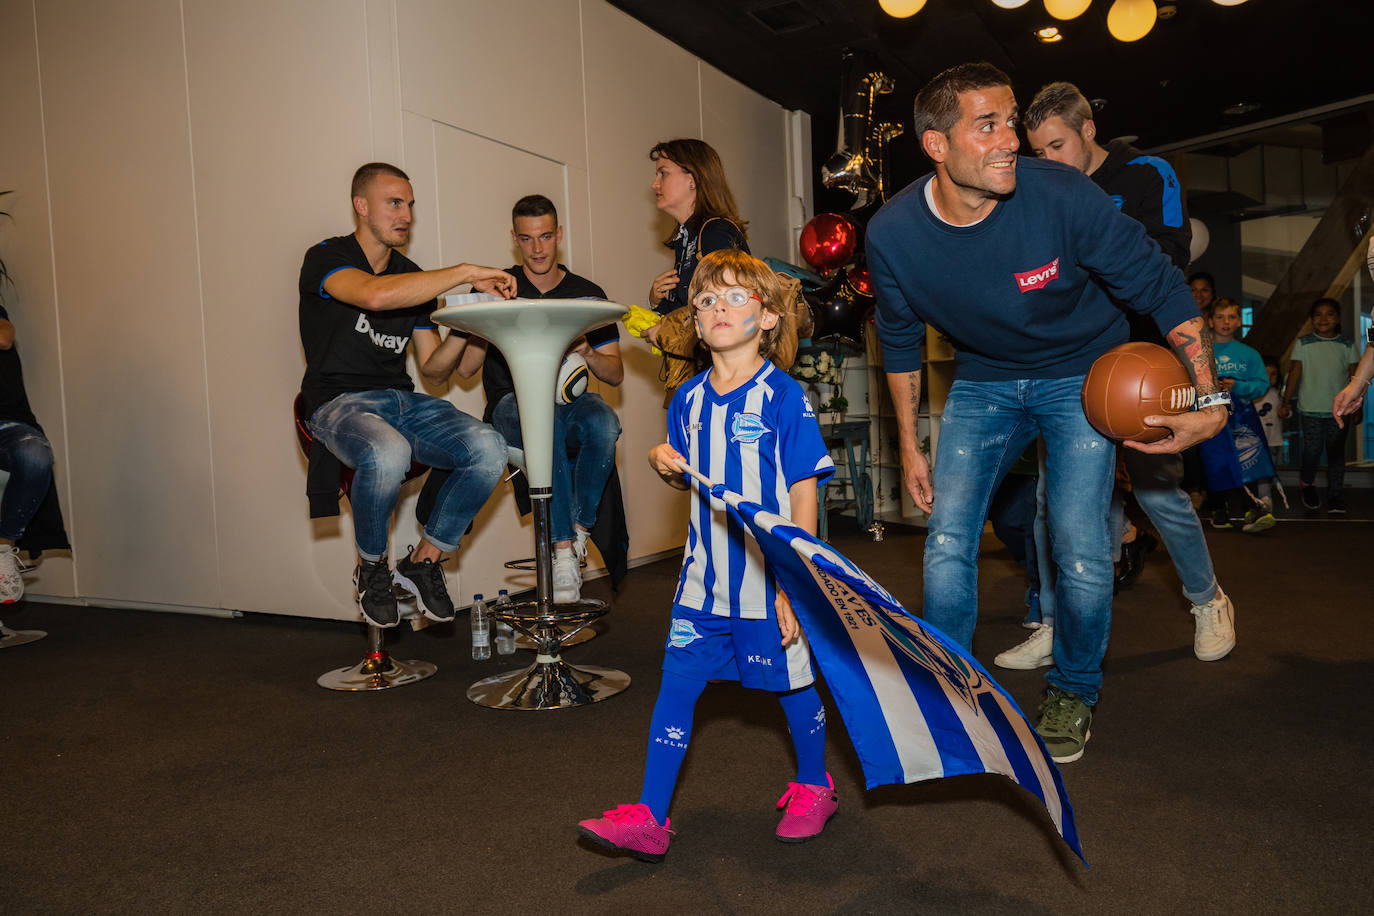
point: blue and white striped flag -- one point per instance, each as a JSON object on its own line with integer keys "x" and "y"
{"x": 915, "y": 705}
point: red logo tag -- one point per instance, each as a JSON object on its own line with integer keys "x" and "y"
{"x": 1041, "y": 276}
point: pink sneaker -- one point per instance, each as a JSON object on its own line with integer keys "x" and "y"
{"x": 808, "y": 810}
{"x": 631, "y": 828}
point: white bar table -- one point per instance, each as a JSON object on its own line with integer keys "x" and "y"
{"x": 533, "y": 335}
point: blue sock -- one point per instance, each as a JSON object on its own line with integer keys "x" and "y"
{"x": 806, "y": 720}
{"x": 669, "y": 732}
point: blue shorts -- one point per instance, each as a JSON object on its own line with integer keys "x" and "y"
{"x": 710, "y": 648}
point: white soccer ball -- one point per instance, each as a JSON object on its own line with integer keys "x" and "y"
{"x": 572, "y": 379}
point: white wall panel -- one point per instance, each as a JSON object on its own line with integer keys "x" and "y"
{"x": 178, "y": 161}
{"x": 511, "y": 71}
{"x": 275, "y": 150}
{"x": 25, "y": 247}
{"x": 641, "y": 89}
{"x": 124, "y": 239}
{"x": 750, "y": 134}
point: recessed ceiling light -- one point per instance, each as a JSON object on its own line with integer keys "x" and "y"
{"x": 1049, "y": 35}
{"x": 1167, "y": 11}
{"x": 1240, "y": 108}
{"x": 1097, "y": 104}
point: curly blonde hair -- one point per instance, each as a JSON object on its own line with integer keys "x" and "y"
{"x": 750, "y": 273}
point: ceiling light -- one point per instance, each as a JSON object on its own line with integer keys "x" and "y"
{"x": 1228, "y": 2}
{"x": 1240, "y": 108}
{"x": 901, "y": 9}
{"x": 1131, "y": 20}
{"x": 1067, "y": 9}
{"x": 1048, "y": 35}
{"x": 1167, "y": 11}
{"x": 1010, "y": 4}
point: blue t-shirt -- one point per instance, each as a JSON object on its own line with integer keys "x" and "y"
{"x": 1244, "y": 364}
{"x": 757, "y": 440}
{"x": 1027, "y": 291}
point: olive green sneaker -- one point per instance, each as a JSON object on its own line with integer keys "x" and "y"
{"x": 1063, "y": 725}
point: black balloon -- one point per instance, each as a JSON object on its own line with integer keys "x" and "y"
{"x": 838, "y": 312}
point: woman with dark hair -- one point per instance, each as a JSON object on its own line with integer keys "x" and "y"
{"x": 689, "y": 185}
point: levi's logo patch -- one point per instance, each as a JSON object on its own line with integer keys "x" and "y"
{"x": 1041, "y": 276}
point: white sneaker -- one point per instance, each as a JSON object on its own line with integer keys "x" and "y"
{"x": 1215, "y": 636}
{"x": 580, "y": 544}
{"x": 11, "y": 582}
{"x": 1035, "y": 652}
{"x": 567, "y": 576}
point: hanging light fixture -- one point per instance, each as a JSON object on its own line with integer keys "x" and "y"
{"x": 1049, "y": 35}
{"x": 1067, "y": 9}
{"x": 1131, "y": 20}
{"x": 1010, "y": 4}
{"x": 901, "y": 9}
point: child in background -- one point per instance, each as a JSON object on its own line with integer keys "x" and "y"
{"x": 1268, "y": 409}
{"x": 1241, "y": 371}
{"x": 1321, "y": 364}
{"x": 748, "y": 425}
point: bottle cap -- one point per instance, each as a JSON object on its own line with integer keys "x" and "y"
{"x": 476, "y": 597}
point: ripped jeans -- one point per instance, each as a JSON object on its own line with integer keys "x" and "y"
{"x": 27, "y": 456}
{"x": 983, "y": 423}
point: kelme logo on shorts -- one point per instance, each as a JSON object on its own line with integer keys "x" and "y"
{"x": 747, "y": 427}
{"x": 1041, "y": 276}
{"x": 682, "y": 633}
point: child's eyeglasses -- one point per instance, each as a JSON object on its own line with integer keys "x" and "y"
{"x": 737, "y": 297}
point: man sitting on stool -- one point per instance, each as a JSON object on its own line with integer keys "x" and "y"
{"x": 587, "y": 426}
{"x": 362, "y": 302}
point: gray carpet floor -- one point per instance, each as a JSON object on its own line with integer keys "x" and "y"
{"x": 157, "y": 763}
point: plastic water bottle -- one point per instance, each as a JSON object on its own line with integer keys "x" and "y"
{"x": 505, "y": 635}
{"x": 481, "y": 636}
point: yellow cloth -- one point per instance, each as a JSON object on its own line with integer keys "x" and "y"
{"x": 638, "y": 319}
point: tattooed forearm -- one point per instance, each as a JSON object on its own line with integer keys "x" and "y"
{"x": 905, "y": 388}
{"x": 1192, "y": 344}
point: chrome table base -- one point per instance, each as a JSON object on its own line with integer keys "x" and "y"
{"x": 11, "y": 638}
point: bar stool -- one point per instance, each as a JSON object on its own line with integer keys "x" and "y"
{"x": 534, "y": 334}
{"x": 11, "y": 638}
{"x": 572, "y": 636}
{"x": 378, "y": 670}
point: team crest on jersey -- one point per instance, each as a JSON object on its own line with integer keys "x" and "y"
{"x": 682, "y": 633}
{"x": 807, "y": 409}
{"x": 747, "y": 427}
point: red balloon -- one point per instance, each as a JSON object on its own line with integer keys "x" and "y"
{"x": 829, "y": 241}
{"x": 861, "y": 281}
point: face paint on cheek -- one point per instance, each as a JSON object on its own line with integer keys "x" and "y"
{"x": 750, "y": 326}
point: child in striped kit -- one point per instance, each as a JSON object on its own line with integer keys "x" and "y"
{"x": 746, "y": 424}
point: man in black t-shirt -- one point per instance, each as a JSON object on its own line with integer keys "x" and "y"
{"x": 361, "y": 303}
{"x": 587, "y": 427}
{"x": 26, "y": 455}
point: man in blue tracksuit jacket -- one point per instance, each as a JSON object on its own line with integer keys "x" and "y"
{"x": 1017, "y": 262}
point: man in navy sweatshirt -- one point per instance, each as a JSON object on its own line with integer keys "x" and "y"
{"x": 1017, "y": 262}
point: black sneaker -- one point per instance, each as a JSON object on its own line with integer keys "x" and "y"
{"x": 1133, "y": 559}
{"x": 1221, "y": 518}
{"x": 1335, "y": 505}
{"x": 1309, "y": 496}
{"x": 375, "y": 598}
{"x": 425, "y": 580}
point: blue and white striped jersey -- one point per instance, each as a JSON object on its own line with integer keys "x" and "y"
{"x": 757, "y": 440}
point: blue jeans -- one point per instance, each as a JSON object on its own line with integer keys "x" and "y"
{"x": 26, "y": 454}
{"x": 588, "y": 429}
{"x": 379, "y": 433}
{"x": 1155, "y": 480}
{"x": 984, "y": 423}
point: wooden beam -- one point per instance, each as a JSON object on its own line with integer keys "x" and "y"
{"x": 1323, "y": 267}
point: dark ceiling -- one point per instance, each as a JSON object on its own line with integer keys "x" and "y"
{"x": 1283, "y": 56}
